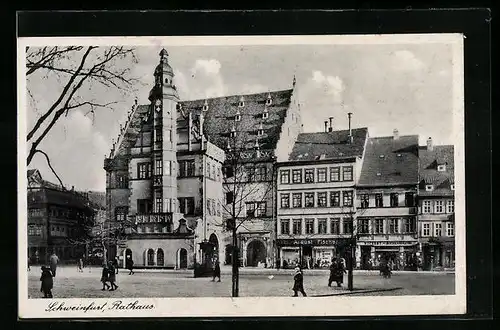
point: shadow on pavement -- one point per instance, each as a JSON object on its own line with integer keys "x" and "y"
{"x": 355, "y": 291}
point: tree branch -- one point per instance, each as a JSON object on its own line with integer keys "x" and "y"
{"x": 50, "y": 166}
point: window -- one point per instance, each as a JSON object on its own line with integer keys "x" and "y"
{"x": 322, "y": 199}
{"x": 309, "y": 200}
{"x": 121, "y": 213}
{"x": 229, "y": 197}
{"x": 347, "y": 225}
{"x": 228, "y": 171}
{"x": 297, "y": 226}
{"x": 214, "y": 170}
{"x": 438, "y": 229}
{"x": 237, "y": 117}
{"x": 334, "y": 174}
{"x": 158, "y": 135}
{"x": 219, "y": 207}
{"x": 34, "y": 231}
{"x": 452, "y": 187}
{"x": 297, "y": 200}
{"x": 334, "y": 198}
{"x": 186, "y": 205}
{"x": 168, "y": 169}
{"x": 335, "y": 226}
{"x": 143, "y": 170}
{"x": 121, "y": 181}
{"x": 285, "y": 201}
{"x": 429, "y": 187}
{"x": 365, "y": 201}
{"x": 442, "y": 167}
{"x": 378, "y": 226}
{"x": 186, "y": 168}
{"x": 321, "y": 226}
{"x": 450, "y": 206}
{"x": 321, "y": 174}
{"x": 144, "y": 206}
{"x": 261, "y": 209}
{"x": 260, "y": 173}
{"x": 256, "y": 209}
{"x": 285, "y": 176}
{"x": 159, "y": 204}
{"x": 426, "y": 229}
{"x": 347, "y": 196}
{"x": 209, "y": 206}
{"x": 363, "y": 226}
{"x": 347, "y": 173}
{"x": 393, "y": 226}
{"x": 309, "y": 226}
{"x": 285, "y": 226}
{"x": 450, "y": 229}
{"x": 409, "y": 199}
{"x": 265, "y": 115}
{"x": 426, "y": 207}
{"x": 208, "y": 170}
{"x": 297, "y": 176}
{"x": 409, "y": 225}
{"x": 394, "y": 200}
{"x": 379, "y": 200}
{"x": 438, "y": 207}
{"x": 309, "y": 175}
{"x": 158, "y": 167}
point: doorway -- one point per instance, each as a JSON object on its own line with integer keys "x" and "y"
{"x": 256, "y": 252}
{"x": 182, "y": 259}
{"x": 366, "y": 257}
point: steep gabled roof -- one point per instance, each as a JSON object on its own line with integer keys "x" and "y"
{"x": 329, "y": 145}
{"x": 219, "y": 118}
{"x": 390, "y": 161}
{"x": 428, "y": 171}
{"x": 132, "y": 128}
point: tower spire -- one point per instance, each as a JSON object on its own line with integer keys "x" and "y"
{"x": 163, "y": 55}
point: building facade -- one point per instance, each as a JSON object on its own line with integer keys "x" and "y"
{"x": 57, "y": 220}
{"x": 316, "y": 190}
{"x": 386, "y": 203}
{"x": 168, "y": 177}
{"x": 436, "y": 216}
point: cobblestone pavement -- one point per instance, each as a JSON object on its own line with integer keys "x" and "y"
{"x": 72, "y": 284}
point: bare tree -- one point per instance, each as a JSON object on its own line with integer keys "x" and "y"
{"x": 77, "y": 68}
{"x": 244, "y": 182}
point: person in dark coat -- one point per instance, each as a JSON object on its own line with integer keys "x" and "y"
{"x": 47, "y": 282}
{"x": 104, "y": 277}
{"x": 112, "y": 276}
{"x": 129, "y": 264}
{"x": 115, "y": 264}
{"x": 54, "y": 260}
{"x": 216, "y": 271}
{"x": 79, "y": 265}
{"x": 339, "y": 278}
{"x": 298, "y": 283}
{"x": 333, "y": 271}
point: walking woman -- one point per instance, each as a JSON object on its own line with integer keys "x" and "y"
{"x": 298, "y": 283}
{"x": 129, "y": 264}
{"x": 112, "y": 276}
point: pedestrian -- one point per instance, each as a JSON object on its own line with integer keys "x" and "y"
{"x": 112, "y": 276}
{"x": 29, "y": 263}
{"x": 129, "y": 263}
{"x": 104, "y": 277}
{"x": 115, "y": 264}
{"x": 47, "y": 282}
{"x": 216, "y": 271}
{"x": 298, "y": 283}
{"x": 340, "y": 271}
{"x": 79, "y": 265}
{"x": 54, "y": 260}
{"x": 333, "y": 271}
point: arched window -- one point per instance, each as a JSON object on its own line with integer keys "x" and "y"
{"x": 160, "y": 257}
{"x": 151, "y": 257}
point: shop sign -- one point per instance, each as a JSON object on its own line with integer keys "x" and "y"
{"x": 384, "y": 243}
{"x": 314, "y": 241}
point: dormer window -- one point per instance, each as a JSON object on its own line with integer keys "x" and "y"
{"x": 442, "y": 167}
{"x": 205, "y": 106}
{"x": 452, "y": 187}
{"x": 265, "y": 115}
{"x": 261, "y": 130}
{"x": 269, "y": 100}
{"x": 233, "y": 132}
{"x": 241, "y": 103}
{"x": 256, "y": 145}
{"x": 429, "y": 187}
{"x": 237, "y": 117}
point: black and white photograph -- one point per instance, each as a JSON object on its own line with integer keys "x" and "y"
{"x": 249, "y": 176}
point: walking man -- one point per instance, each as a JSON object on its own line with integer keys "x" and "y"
{"x": 112, "y": 276}
{"x": 129, "y": 264}
{"x": 216, "y": 271}
{"x": 298, "y": 283}
{"x": 115, "y": 264}
{"x": 47, "y": 282}
{"x": 54, "y": 260}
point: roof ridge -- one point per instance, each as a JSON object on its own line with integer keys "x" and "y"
{"x": 235, "y": 95}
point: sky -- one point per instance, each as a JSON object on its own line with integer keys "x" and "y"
{"x": 403, "y": 86}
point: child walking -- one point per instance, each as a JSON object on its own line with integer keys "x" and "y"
{"x": 47, "y": 282}
{"x": 104, "y": 277}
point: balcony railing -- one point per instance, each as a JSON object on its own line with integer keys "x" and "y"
{"x": 153, "y": 218}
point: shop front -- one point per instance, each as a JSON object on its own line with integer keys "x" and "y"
{"x": 309, "y": 253}
{"x": 401, "y": 254}
{"x": 438, "y": 254}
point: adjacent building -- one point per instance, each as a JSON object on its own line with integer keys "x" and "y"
{"x": 386, "y": 202}
{"x": 57, "y": 220}
{"x": 436, "y": 216}
{"x": 316, "y": 190}
{"x": 170, "y": 179}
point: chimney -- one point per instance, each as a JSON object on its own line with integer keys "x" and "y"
{"x": 429, "y": 144}
{"x": 326, "y": 125}
{"x": 395, "y": 134}
{"x": 349, "y": 116}
{"x": 330, "y": 129}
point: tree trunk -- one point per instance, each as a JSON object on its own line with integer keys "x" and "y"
{"x": 235, "y": 272}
